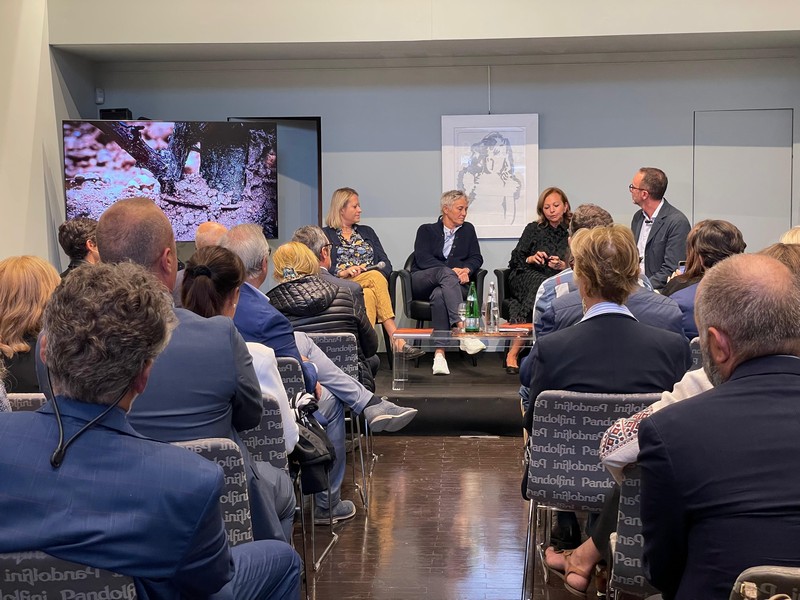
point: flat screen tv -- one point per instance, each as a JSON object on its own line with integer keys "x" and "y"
{"x": 196, "y": 171}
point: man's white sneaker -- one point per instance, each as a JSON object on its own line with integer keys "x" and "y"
{"x": 472, "y": 345}
{"x": 440, "y": 365}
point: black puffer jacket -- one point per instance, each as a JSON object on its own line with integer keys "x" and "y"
{"x": 316, "y": 306}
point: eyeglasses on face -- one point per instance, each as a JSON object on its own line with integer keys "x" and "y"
{"x": 632, "y": 187}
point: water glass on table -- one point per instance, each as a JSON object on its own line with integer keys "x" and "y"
{"x": 462, "y": 315}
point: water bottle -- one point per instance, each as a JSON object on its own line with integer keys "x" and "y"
{"x": 492, "y": 310}
{"x": 473, "y": 321}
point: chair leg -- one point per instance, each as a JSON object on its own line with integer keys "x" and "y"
{"x": 530, "y": 541}
{"x": 299, "y": 496}
{"x": 334, "y": 535}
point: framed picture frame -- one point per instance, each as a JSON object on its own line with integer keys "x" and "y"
{"x": 494, "y": 159}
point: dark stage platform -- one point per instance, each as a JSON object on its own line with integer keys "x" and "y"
{"x": 472, "y": 400}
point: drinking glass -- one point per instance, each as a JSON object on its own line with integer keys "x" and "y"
{"x": 462, "y": 315}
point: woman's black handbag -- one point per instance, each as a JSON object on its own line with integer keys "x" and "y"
{"x": 313, "y": 455}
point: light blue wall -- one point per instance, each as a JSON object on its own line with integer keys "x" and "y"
{"x": 382, "y": 135}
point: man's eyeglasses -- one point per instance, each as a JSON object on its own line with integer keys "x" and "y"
{"x": 632, "y": 187}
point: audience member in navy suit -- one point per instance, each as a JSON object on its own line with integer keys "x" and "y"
{"x": 258, "y": 321}
{"x": 609, "y": 351}
{"x": 203, "y": 384}
{"x": 84, "y": 486}
{"x": 719, "y": 471}
{"x": 708, "y": 243}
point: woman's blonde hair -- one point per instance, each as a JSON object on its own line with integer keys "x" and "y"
{"x": 296, "y": 258}
{"x": 339, "y": 200}
{"x": 792, "y": 236}
{"x": 606, "y": 262}
{"x": 26, "y": 284}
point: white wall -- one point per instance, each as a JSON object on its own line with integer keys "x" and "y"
{"x": 30, "y": 108}
{"x": 256, "y": 21}
{"x": 382, "y": 135}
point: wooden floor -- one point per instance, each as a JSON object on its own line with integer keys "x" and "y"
{"x": 446, "y": 521}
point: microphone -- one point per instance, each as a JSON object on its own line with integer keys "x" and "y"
{"x": 380, "y": 265}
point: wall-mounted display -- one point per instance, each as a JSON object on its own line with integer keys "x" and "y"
{"x": 196, "y": 171}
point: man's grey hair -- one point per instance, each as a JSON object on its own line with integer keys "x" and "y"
{"x": 755, "y": 301}
{"x": 102, "y": 324}
{"x": 313, "y": 237}
{"x": 589, "y": 216}
{"x": 448, "y": 198}
{"x": 247, "y": 241}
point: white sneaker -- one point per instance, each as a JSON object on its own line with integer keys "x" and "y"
{"x": 472, "y": 345}
{"x": 440, "y": 365}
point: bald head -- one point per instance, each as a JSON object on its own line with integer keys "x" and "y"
{"x": 136, "y": 230}
{"x": 752, "y": 304}
{"x": 209, "y": 234}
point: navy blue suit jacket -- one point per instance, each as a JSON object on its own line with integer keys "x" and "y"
{"x": 202, "y": 385}
{"x": 666, "y": 244}
{"x": 609, "y": 353}
{"x": 119, "y": 501}
{"x": 648, "y": 308}
{"x": 429, "y": 246}
{"x": 719, "y": 481}
{"x": 258, "y": 321}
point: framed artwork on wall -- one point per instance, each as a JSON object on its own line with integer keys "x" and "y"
{"x": 494, "y": 159}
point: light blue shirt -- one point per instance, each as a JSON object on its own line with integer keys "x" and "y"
{"x": 449, "y": 237}
{"x": 606, "y": 308}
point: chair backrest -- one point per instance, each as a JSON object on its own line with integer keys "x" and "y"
{"x": 266, "y": 442}
{"x": 767, "y": 583}
{"x": 39, "y": 575}
{"x": 234, "y": 498}
{"x": 627, "y": 569}
{"x": 341, "y": 348}
{"x": 564, "y": 467}
{"x": 26, "y": 401}
{"x": 503, "y": 292}
{"x": 697, "y": 354}
{"x": 291, "y": 376}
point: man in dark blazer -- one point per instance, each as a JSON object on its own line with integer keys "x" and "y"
{"x": 659, "y": 228}
{"x": 648, "y": 307}
{"x": 203, "y": 384}
{"x": 719, "y": 471}
{"x": 109, "y": 497}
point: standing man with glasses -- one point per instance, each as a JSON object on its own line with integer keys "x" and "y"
{"x": 660, "y": 229}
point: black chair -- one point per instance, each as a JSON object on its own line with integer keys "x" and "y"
{"x": 420, "y": 310}
{"x": 503, "y": 293}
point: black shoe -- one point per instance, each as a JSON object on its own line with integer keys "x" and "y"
{"x": 512, "y": 370}
{"x": 410, "y": 352}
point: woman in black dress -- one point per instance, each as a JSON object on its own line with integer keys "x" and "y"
{"x": 540, "y": 253}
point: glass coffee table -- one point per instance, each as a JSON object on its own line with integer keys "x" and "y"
{"x": 429, "y": 339}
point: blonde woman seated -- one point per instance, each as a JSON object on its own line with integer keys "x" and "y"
{"x": 356, "y": 254}
{"x": 313, "y": 305}
{"x": 26, "y": 284}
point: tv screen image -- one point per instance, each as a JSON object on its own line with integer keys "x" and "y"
{"x": 196, "y": 171}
